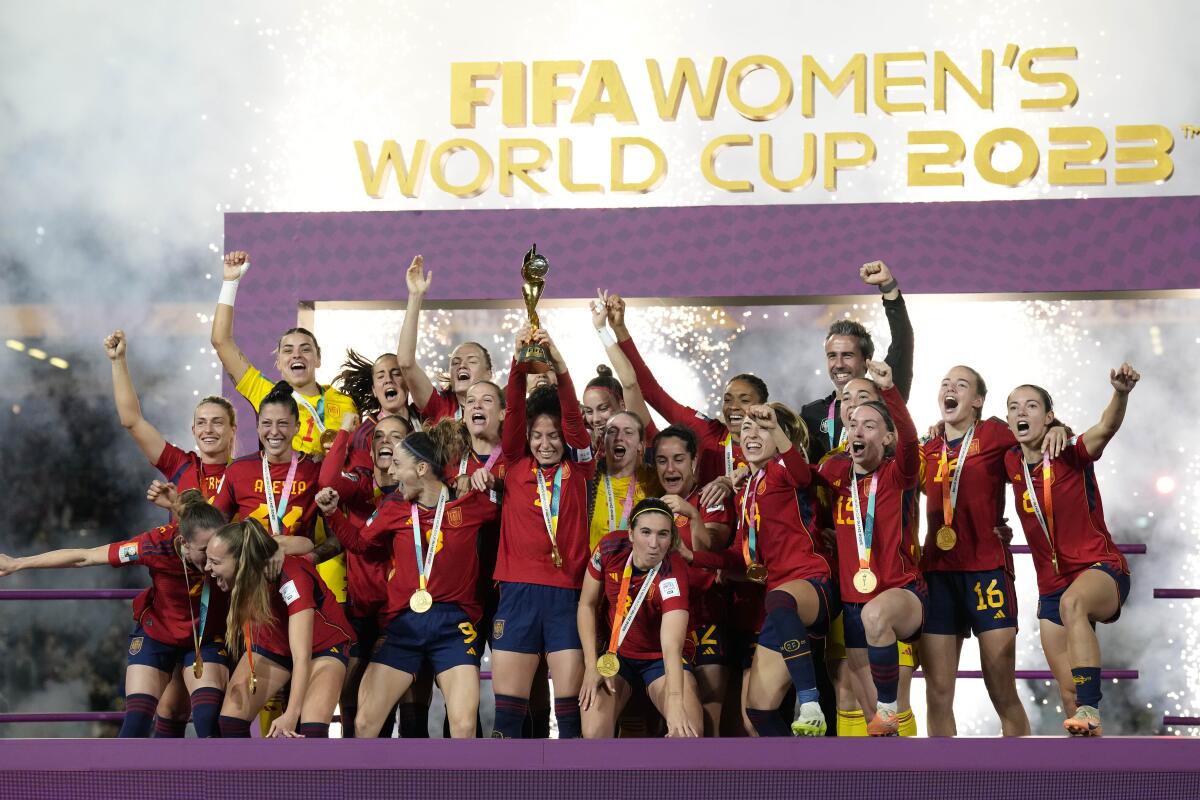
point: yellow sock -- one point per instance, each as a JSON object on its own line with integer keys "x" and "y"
{"x": 851, "y": 723}
{"x": 908, "y": 723}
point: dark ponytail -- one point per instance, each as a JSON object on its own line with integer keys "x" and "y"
{"x": 195, "y": 514}
{"x": 356, "y": 381}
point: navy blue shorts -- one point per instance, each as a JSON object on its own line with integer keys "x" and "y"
{"x": 710, "y": 645}
{"x": 340, "y": 652}
{"x": 643, "y": 671}
{"x": 852, "y": 625}
{"x": 149, "y": 652}
{"x": 532, "y": 618}
{"x": 769, "y": 638}
{"x": 444, "y": 636}
{"x": 367, "y": 631}
{"x": 1048, "y": 603}
{"x": 962, "y": 603}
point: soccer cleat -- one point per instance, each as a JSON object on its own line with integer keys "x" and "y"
{"x": 1086, "y": 722}
{"x": 884, "y": 723}
{"x": 811, "y": 721}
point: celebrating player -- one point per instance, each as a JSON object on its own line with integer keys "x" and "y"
{"x": 883, "y": 593}
{"x": 378, "y": 391}
{"x": 1082, "y": 577}
{"x": 625, "y": 479}
{"x": 644, "y": 583}
{"x": 470, "y": 362}
{"x": 967, "y": 566}
{"x": 543, "y": 545}
{"x": 178, "y": 620}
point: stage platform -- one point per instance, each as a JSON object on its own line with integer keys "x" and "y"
{"x": 706, "y": 769}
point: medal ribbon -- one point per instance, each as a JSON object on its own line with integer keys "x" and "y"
{"x": 318, "y": 413}
{"x": 728, "y": 454}
{"x": 276, "y": 514}
{"x": 623, "y": 620}
{"x": 491, "y": 460}
{"x": 425, "y": 561}
{"x": 864, "y": 530}
{"x": 626, "y": 508}
{"x": 550, "y": 503}
{"x": 950, "y": 500}
{"x": 249, "y": 642}
{"x": 750, "y": 504}
{"x": 197, "y": 633}
{"x": 1046, "y": 519}
{"x": 829, "y": 421}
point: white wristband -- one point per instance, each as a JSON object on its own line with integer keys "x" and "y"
{"x": 228, "y": 293}
{"x": 606, "y": 338}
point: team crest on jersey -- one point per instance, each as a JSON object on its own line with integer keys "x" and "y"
{"x": 127, "y": 552}
{"x": 135, "y": 645}
{"x": 454, "y": 517}
{"x": 498, "y": 629}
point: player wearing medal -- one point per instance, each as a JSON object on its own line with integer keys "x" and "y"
{"x": 173, "y": 626}
{"x": 290, "y": 629}
{"x": 278, "y": 487}
{"x": 779, "y": 548}
{"x": 848, "y": 348}
{"x": 874, "y": 491}
{"x": 720, "y": 453}
{"x": 543, "y": 545}
{"x": 361, "y": 492}
{"x": 470, "y": 362}
{"x": 1082, "y": 577}
{"x": 703, "y": 534}
{"x": 625, "y": 478}
{"x": 320, "y": 407}
{"x": 378, "y": 391}
{"x": 432, "y": 607}
{"x": 644, "y": 583}
{"x": 967, "y": 566}
{"x": 214, "y": 427}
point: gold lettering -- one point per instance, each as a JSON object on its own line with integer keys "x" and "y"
{"x": 855, "y": 70}
{"x": 834, "y": 162}
{"x": 408, "y": 175}
{"x": 603, "y": 76}
{"x": 565, "y": 165}
{"x": 883, "y": 81}
{"x": 465, "y": 95}
{"x": 985, "y": 148}
{"x": 657, "y": 175}
{"x": 1159, "y": 153}
{"x": 441, "y": 156}
{"x": 703, "y": 100}
{"x": 1060, "y": 162}
{"x": 708, "y": 161}
{"x": 510, "y": 167}
{"x": 952, "y": 156}
{"x": 943, "y": 66}
{"x": 766, "y": 164}
{"x": 1070, "y": 90}
{"x": 547, "y": 94}
{"x": 741, "y": 70}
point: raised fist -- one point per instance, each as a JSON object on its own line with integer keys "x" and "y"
{"x": 114, "y": 345}
{"x": 236, "y": 264}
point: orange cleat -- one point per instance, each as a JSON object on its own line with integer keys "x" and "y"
{"x": 1086, "y": 722}
{"x": 884, "y": 723}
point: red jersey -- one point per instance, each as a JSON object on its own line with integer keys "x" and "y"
{"x": 718, "y": 454}
{"x": 242, "y": 493}
{"x": 892, "y": 554}
{"x": 443, "y": 403}
{"x": 455, "y": 572}
{"x": 187, "y": 471}
{"x": 297, "y": 588}
{"x": 360, "y": 445}
{"x": 471, "y": 462}
{"x": 366, "y": 573}
{"x": 706, "y": 598}
{"x": 669, "y": 593}
{"x": 980, "y": 504}
{"x": 162, "y": 609}
{"x": 525, "y": 550}
{"x": 783, "y": 507}
{"x": 1080, "y": 537}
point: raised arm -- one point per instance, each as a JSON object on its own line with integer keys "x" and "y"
{"x": 908, "y": 447}
{"x": 420, "y": 388}
{"x": 232, "y": 357}
{"x": 900, "y": 351}
{"x": 575, "y": 432}
{"x": 129, "y": 409}
{"x": 643, "y": 379}
{"x": 55, "y": 559}
{"x": 1097, "y": 437}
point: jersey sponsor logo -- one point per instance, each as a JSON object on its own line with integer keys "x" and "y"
{"x": 668, "y": 588}
{"x": 454, "y": 518}
{"x": 127, "y": 552}
{"x": 289, "y": 592}
{"x": 135, "y": 645}
{"x": 498, "y": 629}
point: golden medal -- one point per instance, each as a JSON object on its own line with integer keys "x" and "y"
{"x": 198, "y": 667}
{"x": 327, "y": 438}
{"x": 421, "y": 601}
{"x": 556, "y": 557}
{"x": 608, "y": 665}
{"x": 865, "y": 581}
{"x": 946, "y": 538}
{"x": 757, "y": 573}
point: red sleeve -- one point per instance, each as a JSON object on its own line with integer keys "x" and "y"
{"x": 296, "y": 588}
{"x": 908, "y": 447}
{"x": 675, "y": 413}
{"x": 129, "y": 552}
{"x": 595, "y": 565}
{"x": 798, "y": 472}
{"x": 1076, "y": 453}
{"x": 575, "y": 433}
{"x": 512, "y": 431}
{"x": 170, "y": 461}
{"x": 354, "y": 486}
{"x": 350, "y": 535}
{"x": 673, "y": 589}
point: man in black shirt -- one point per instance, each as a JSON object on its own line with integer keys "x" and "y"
{"x": 848, "y": 348}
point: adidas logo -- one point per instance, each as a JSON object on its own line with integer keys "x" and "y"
{"x": 999, "y": 615}
{"x": 708, "y": 651}
{"x": 471, "y": 652}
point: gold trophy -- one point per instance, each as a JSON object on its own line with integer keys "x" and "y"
{"x": 533, "y": 281}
